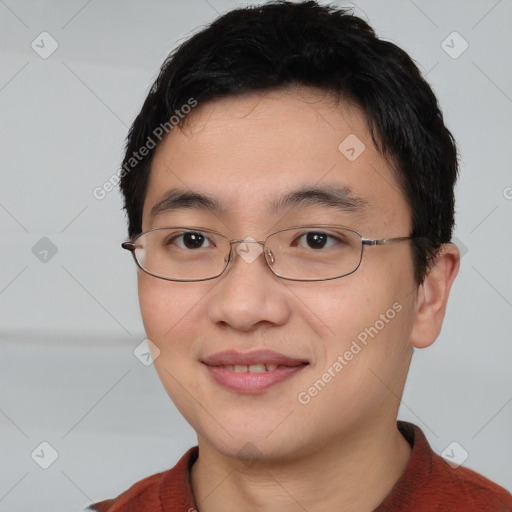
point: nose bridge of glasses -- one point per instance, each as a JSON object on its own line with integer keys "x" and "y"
{"x": 249, "y": 255}
{"x": 248, "y": 240}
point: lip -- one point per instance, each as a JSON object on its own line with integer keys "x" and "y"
{"x": 248, "y": 382}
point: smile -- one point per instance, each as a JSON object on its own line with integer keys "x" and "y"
{"x": 252, "y": 372}
{"x": 254, "y": 378}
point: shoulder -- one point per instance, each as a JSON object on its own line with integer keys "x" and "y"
{"x": 145, "y": 491}
{"x": 465, "y": 490}
{"x": 170, "y": 488}
{"x": 431, "y": 483}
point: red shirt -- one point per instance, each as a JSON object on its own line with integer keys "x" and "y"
{"x": 428, "y": 484}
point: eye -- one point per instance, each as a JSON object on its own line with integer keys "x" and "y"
{"x": 317, "y": 240}
{"x": 189, "y": 240}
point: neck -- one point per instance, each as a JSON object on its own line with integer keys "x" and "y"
{"x": 353, "y": 474}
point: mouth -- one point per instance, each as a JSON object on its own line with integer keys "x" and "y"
{"x": 252, "y": 372}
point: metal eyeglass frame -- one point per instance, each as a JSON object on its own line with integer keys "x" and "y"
{"x": 132, "y": 245}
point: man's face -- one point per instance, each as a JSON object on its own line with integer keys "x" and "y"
{"x": 245, "y": 153}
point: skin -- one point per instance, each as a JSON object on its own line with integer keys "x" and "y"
{"x": 342, "y": 450}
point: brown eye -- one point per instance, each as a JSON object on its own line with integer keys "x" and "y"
{"x": 189, "y": 240}
{"x": 316, "y": 240}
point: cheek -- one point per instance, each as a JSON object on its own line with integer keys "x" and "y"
{"x": 154, "y": 301}
{"x": 366, "y": 354}
{"x": 167, "y": 309}
{"x": 367, "y": 319}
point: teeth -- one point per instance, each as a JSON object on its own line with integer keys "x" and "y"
{"x": 253, "y": 368}
{"x": 257, "y": 368}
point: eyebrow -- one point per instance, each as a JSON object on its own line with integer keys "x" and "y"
{"x": 328, "y": 196}
{"x": 333, "y": 196}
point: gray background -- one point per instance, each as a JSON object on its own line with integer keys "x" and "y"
{"x": 69, "y": 323}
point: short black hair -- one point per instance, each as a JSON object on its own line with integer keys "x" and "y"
{"x": 280, "y": 44}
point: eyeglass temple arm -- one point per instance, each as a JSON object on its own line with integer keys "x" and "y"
{"x": 384, "y": 241}
{"x": 129, "y": 246}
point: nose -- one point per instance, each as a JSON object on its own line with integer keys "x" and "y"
{"x": 248, "y": 293}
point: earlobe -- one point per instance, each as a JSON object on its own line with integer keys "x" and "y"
{"x": 433, "y": 297}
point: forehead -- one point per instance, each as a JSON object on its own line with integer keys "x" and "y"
{"x": 247, "y": 152}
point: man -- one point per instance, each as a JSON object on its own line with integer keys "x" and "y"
{"x": 289, "y": 190}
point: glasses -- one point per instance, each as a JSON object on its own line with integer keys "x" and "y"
{"x": 301, "y": 253}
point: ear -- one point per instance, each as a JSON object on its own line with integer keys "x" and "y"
{"x": 432, "y": 296}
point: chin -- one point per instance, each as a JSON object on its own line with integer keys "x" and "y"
{"x": 250, "y": 450}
